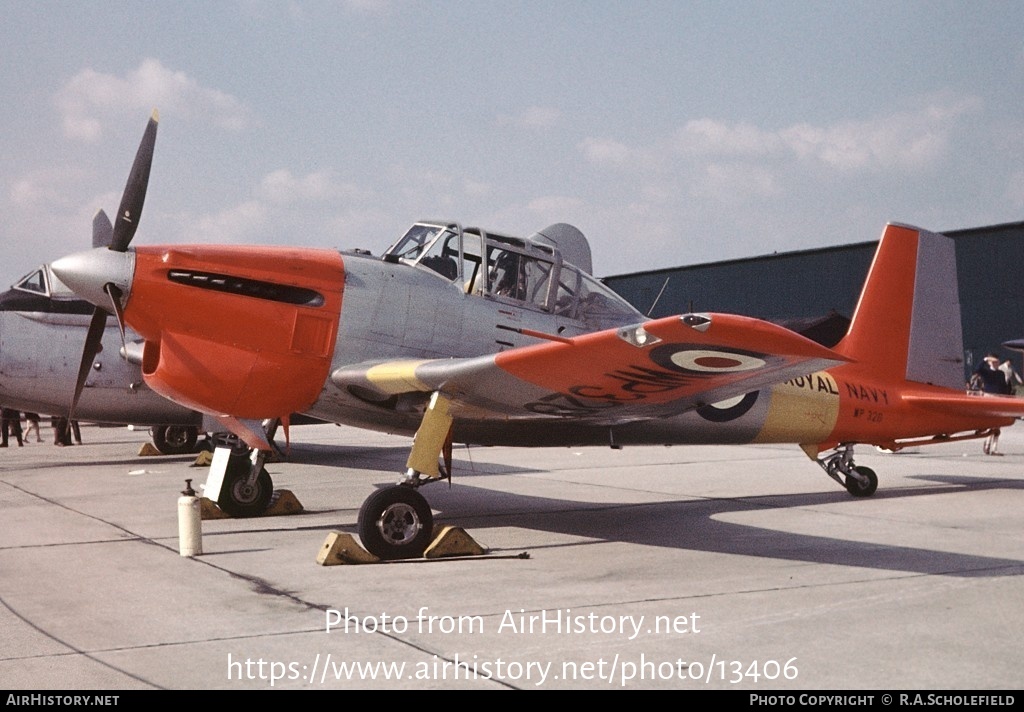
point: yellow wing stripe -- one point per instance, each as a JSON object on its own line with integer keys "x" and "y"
{"x": 397, "y": 377}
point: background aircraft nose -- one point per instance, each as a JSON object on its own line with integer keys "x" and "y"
{"x": 88, "y": 274}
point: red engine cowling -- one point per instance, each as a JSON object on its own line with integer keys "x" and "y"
{"x": 241, "y": 331}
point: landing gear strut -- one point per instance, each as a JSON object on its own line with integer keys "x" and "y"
{"x": 247, "y": 487}
{"x": 858, "y": 480}
{"x": 238, "y": 480}
{"x": 396, "y": 522}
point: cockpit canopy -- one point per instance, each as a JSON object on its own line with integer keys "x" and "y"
{"x": 44, "y": 282}
{"x": 41, "y": 292}
{"x": 529, "y": 272}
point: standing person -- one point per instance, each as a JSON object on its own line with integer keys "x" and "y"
{"x": 61, "y": 430}
{"x": 32, "y": 423}
{"x": 10, "y": 423}
{"x": 1012, "y": 377}
{"x": 989, "y": 379}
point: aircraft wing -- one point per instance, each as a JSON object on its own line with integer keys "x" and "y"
{"x": 655, "y": 369}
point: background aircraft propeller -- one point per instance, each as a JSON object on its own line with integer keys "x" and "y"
{"x": 116, "y": 237}
{"x": 102, "y": 230}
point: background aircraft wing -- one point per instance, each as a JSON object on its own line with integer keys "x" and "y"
{"x": 649, "y": 370}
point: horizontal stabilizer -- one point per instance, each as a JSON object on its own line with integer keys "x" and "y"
{"x": 981, "y": 406}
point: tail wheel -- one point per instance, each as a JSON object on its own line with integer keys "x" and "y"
{"x": 239, "y": 498}
{"x": 862, "y": 489}
{"x": 396, "y": 523}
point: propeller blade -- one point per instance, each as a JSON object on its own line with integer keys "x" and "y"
{"x": 92, "y": 347}
{"x": 115, "y": 302}
{"x": 128, "y": 214}
{"x": 102, "y": 230}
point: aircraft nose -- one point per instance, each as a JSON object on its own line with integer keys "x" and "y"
{"x": 88, "y": 273}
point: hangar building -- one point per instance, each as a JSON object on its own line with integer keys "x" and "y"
{"x": 817, "y": 289}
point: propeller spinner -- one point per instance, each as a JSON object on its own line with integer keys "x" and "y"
{"x": 103, "y": 275}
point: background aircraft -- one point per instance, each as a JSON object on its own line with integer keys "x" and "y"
{"x": 461, "y": 335}
{"x": 43, "y": 328}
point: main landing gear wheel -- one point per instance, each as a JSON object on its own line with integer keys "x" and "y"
{"x": 240, "y": 499}
{"x": 396, "y": 523}
{"x": 175, "y": 439}
{"x": 862, "y": 489}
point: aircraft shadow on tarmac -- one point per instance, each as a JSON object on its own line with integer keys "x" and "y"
{"x": 694, "y": 524}
{"x": 371, "y": 456}
{"x": 683, "y": 524}
{"x": 469, "y": 462}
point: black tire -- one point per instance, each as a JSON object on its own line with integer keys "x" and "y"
{"x": 175, "y": 439}
{"x": 858, "y": 489}
{"x": 396, "y": 523}
{"x": 238, "y": 498}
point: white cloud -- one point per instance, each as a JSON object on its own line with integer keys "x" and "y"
{"x": 476, "y": 189}
{"x": 364, "y": 227}
{"x": 284, "y": 205}
{"x": 707, "y": 136}
{"x": 554, "y": 205}
{"x": 735, "y": 182}
{"x": 605, "y": 151}
{"x": 905, "y": 140}
{"x": 283, "y": 187}
{"x": 43, "y": 188}
{"x": 662, "y": 192}
{"x": 233, "y": 225}
{"x": 729, "y": 162}
{"x": 91, "y": 97}
{"x": 58, "y": 192}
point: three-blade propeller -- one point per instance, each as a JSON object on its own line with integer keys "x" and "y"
{"x": 116, "y": 237}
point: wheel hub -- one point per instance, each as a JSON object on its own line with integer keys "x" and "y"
{"x": 399, "y": 524}
{"x": 177, "y": 436}
{"x": 244, "y": 492}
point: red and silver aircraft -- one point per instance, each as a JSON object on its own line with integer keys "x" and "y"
{"x": 461, "y": 335}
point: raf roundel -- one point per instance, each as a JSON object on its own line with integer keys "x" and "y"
{"x": 706, "y": 362}
{"x": 727, "y": 410}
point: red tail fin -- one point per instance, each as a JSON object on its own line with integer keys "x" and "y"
{"x": 907, "y": 322}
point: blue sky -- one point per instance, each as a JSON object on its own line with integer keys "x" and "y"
{"x": 671, "y": 133}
